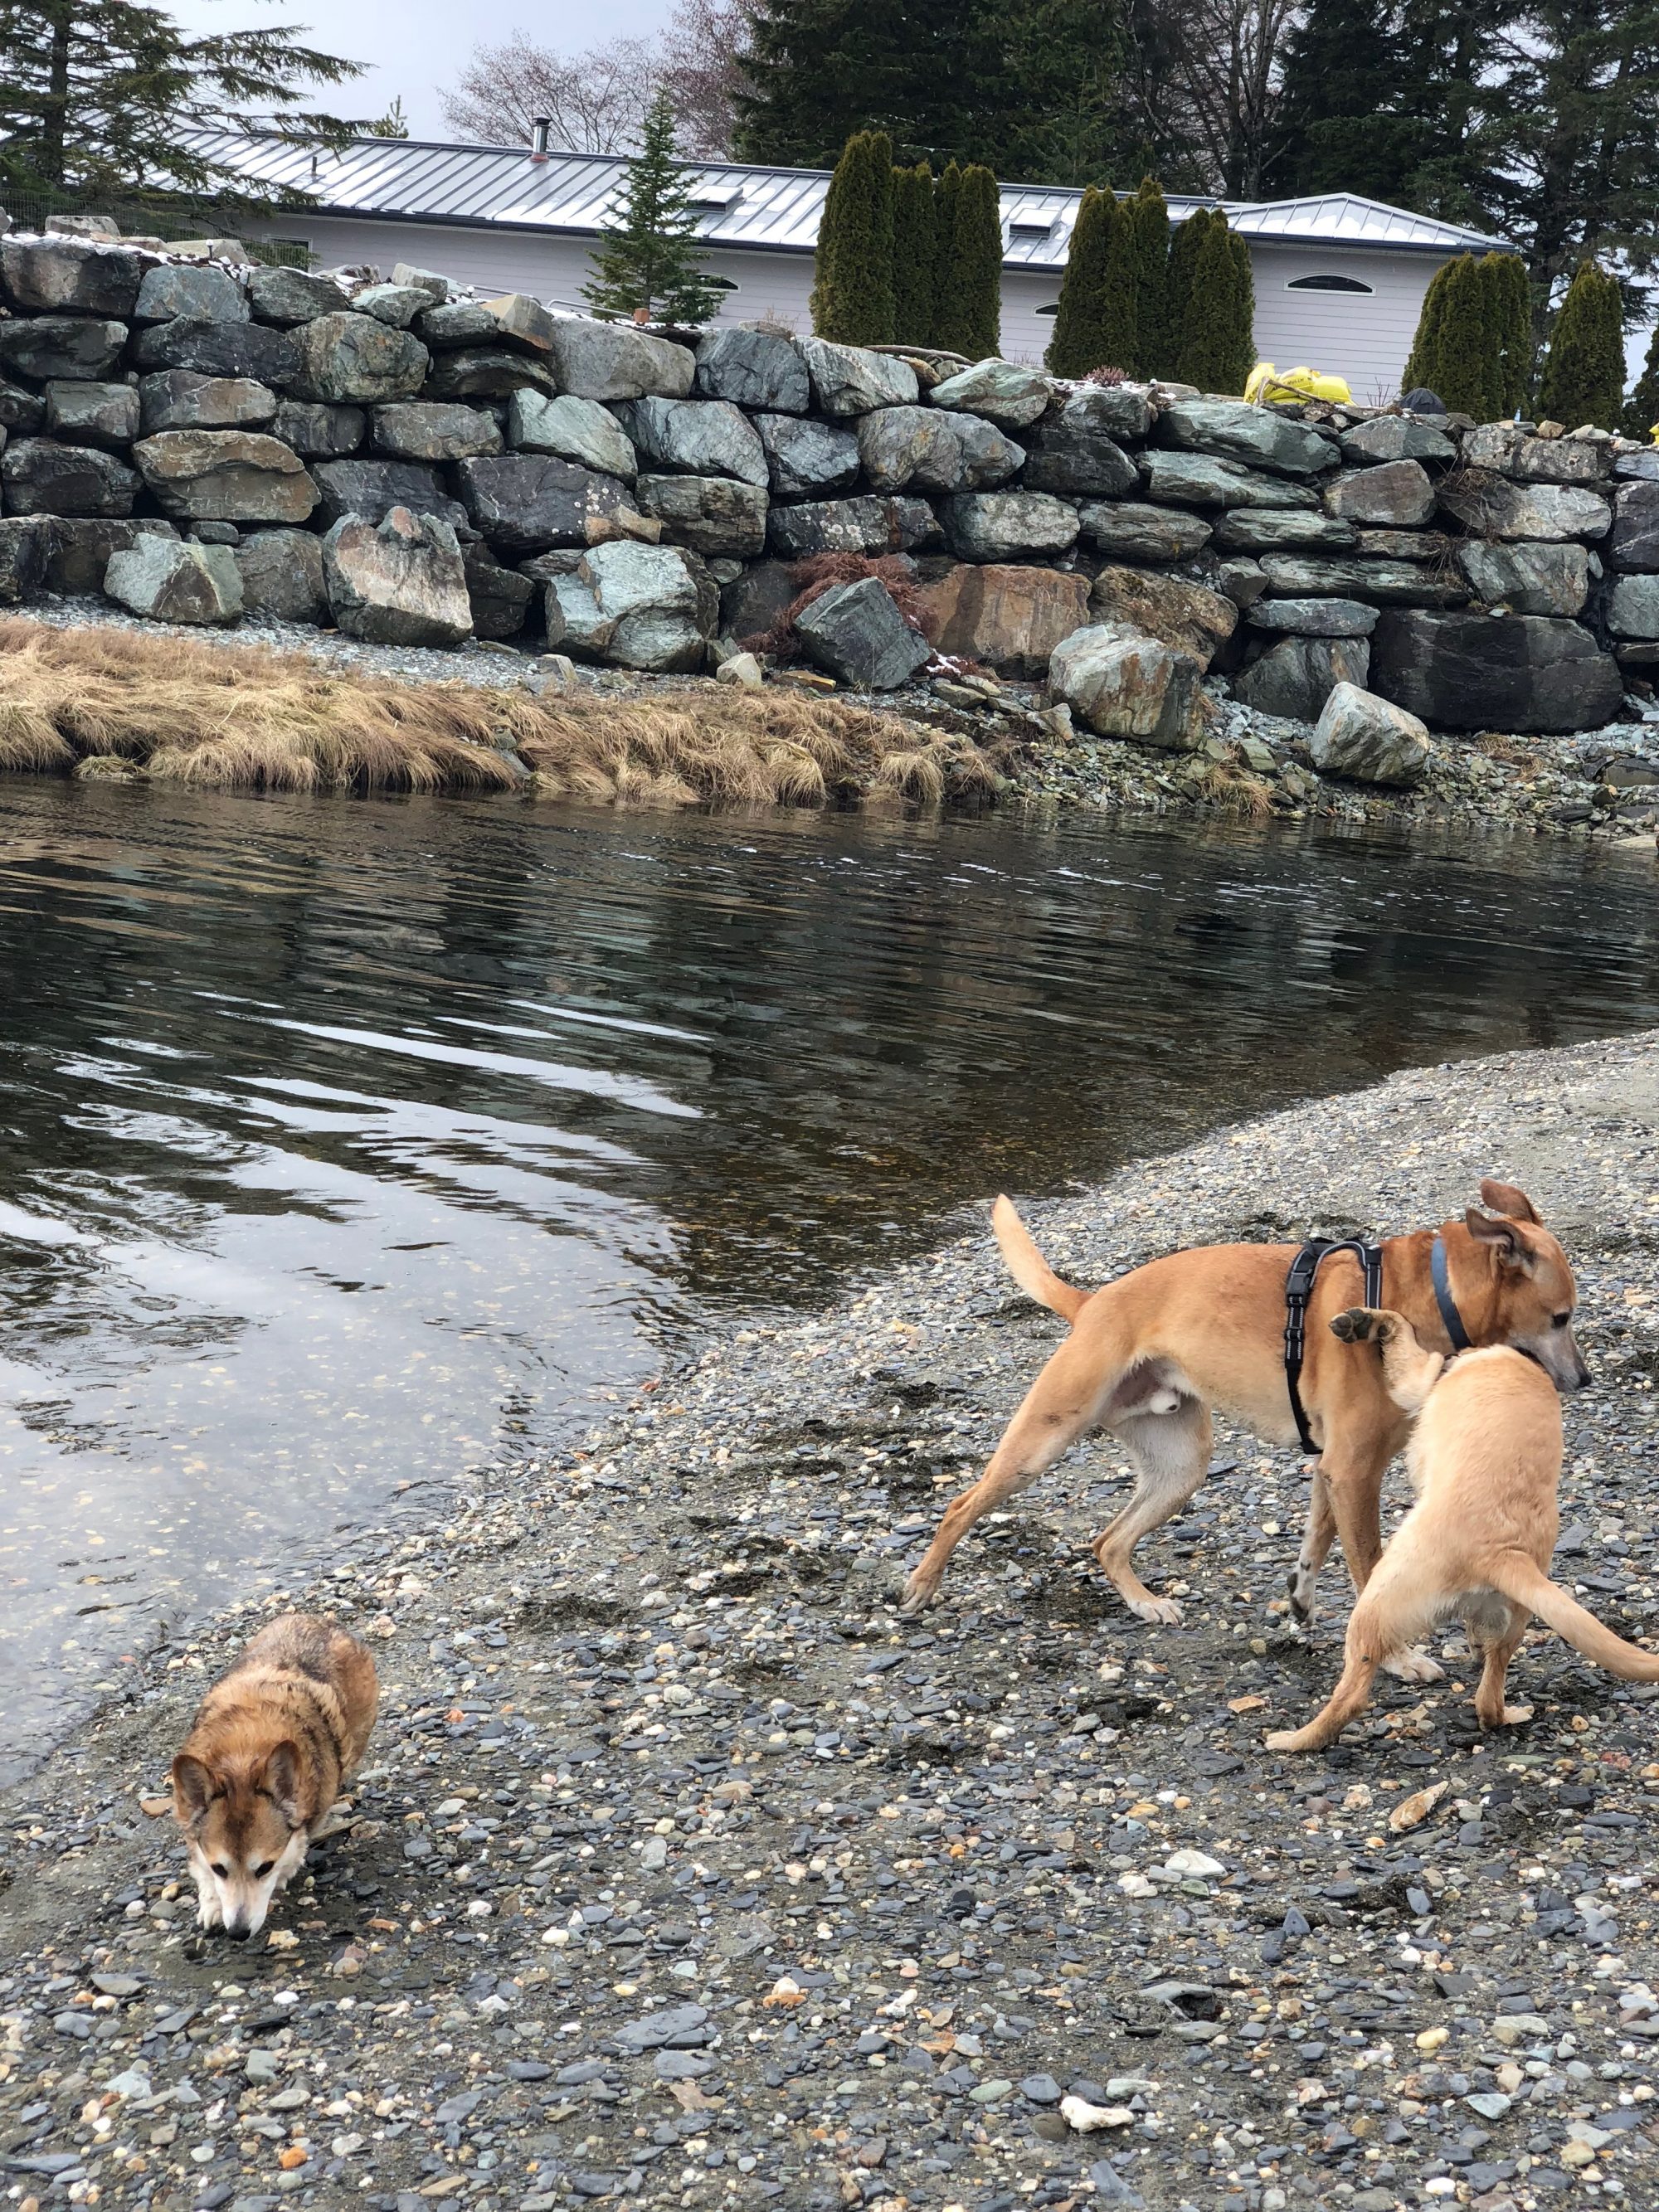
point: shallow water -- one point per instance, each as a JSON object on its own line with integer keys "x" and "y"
{"x": 343, "y": 1146}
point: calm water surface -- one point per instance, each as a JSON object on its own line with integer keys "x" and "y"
{"x": 342, "y": 1146}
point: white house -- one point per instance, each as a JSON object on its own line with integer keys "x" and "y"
{"x": 1339, "y": 280}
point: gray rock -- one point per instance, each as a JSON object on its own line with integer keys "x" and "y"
{"x": 225, "y": 476}
{"x": 1255, "y": 437}
{"x": 1632, "y": 607}
{"x": 1296, "y": 676}
{"x": 857, "y": 634}
{"x": 870, "y": 525}
{"x": 1529, "y": 580}
{"x": 370, "y": 489}
{"x": 1396, "y": 438}
{"x": 251, "y": 349}
{"x": 320, "y": 433}
{"x": 457, "y": 323}
{"x": 397, "y": 581}
{"x": 1406, "y": 544}
{"x": 1009, "y": 525}
{"x": 395, "y": 304}
{"x": 1124, "y": 684}
{"x": 1368, "y": 739}
{"x": 1001, "y": 390}
{"x": 181, "y": 400}
{"x": 500, "y": 597}
{"x": 1388, "y": 583}
{"x": 751, "y": 603}
{"x": 901, "y": 445}
{"x": 703, "y": 437}
{"x": 1074, "y": 452}
{"x": 433, "y": 430}
{"x": 82, "y": 546}
{"x": 758, "y": 369}
{"x": 92, "y": 414}
{"x": 1201, "y": 480}
{"x": 1477, "y": 671}
{"x": 1634, "y": 543}
{"x": 1396, "y": 492}
{"x": 351, "y": 359}
{"x": 650, "y": 607}
{"x": 613, "y": 361}
{"x": 26, "y": 545}
{"x": 168, "y": 579}
{"x": 1506, "y": 448}
{"x": 282, "y": 573}
{"x": 526, "y": 503}
{"x": 520, "y": 321}
{"x": 807, "y": 457}
{"x": 430, "y": 281}
{"x": 1643, "y": 465}
{"x": 77, "y": 347}
{"x": 713, "y": 515}
{"x": 19, "y": 410}
{"x": 1176, "y": 611}
{"x": 1242, "y": 580}
{"x": 39, "y": 476}
{"x": 1490, "y": 506}
{"x": 290, "y": 295}
{"x": 571, "y": 429}
{"x": 1279, "y": 529}
{"x": 62, "y": 275}
{"x": 197, "y": 290}
{"x": 1130, "y": 530}
{"x": 1313, "y": 617}
{"x": 989, "y": 456}
{"x": 849, "y": 381}
{"x": 487, "y": 373}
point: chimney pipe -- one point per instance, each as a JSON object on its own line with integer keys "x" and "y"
{"x": 539, "y": 128}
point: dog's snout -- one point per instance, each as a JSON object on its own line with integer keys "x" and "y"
{"x": 1584, "y": 1378}
{"x": 238, "y": 1931}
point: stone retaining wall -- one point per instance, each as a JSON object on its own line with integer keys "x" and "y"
{"x": 199, "y": 439}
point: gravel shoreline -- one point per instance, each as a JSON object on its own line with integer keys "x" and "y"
{"x": 687, "y": 1874}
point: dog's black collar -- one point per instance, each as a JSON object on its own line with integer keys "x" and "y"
{"x": 1299, "y": 1288}
{"x": 1450, "y": 1319}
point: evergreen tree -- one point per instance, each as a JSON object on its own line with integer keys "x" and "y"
{"x": 947, "y": 195}
{"x": 1510, "y": 310}
{"x": 1468, "y": 363}
{"x": 853, "y": 293}
{"x": 1216, "y": 348}
{"x": 1120, "y": 325}
{"x": 645, "y": 266}
{"x": 1584, "y": 373}
{"x": 1079, "y": 343}
{"x": 968, "y": 317}
{"x": 394, "y": 123}
{"x": 107, "y": 96}
{"x": 1422, "y": 369}
{"x": 1641, "y": 418}
{"x": 1062, "y": 120}
{"x": 1238, "y": 326}
{"x": 1186, "y": 244}
{"x": 1338, "y": 130}
{"x": 1150, "y": 216}
{"x": 915, "y": 255}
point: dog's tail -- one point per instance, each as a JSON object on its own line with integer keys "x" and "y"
{"x": 1027, "y": 1266}
{"x": 1518, "y": 1578}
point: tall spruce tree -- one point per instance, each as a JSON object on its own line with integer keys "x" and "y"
{"x": 853, "y": 290}
{"x": 1080, "y": 340}
{"x": 1503, "y": 276}
{"x": 1186, "y": 244}
{"x": 968, "y": 312}
{"x": 1151, "y": 217}
{"x": 1338, "y": 129}
{"x": 645, "y": 262}
{"x": 1468, "y": 371}
{"x": 1641, "y": 416}
{"x": 1217, "y": 340}
{"x": 947, "y": 195}
{"x": 1584, "y": 379}
{"x": 915, "y": 255}
{"x": 1422, "y": 369}
{"x": 1238, "y": 329}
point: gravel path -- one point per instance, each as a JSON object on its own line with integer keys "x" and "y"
{"x": 687, "y": 1875}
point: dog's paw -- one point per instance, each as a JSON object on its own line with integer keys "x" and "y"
{"x": 1511, "y": 1717}
{"x": 1283, "y": 1739}
{"x": 1363, "y": 1325}
{"x": 1159, "y": 1612}
{"x": 918, "y": 1596}
{"x": 209, "y": 1915}
{"x": 1414, "y": 1666}
{"x": 1300, "y": 1585}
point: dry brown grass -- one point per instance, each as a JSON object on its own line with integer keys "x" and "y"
{"x": 1232, "y": 788}
{"x": 251, "y": 718}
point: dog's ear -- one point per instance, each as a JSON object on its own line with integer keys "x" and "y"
{"x": 1509, "y": 1197}
{"x": 192, "y": 1790}
{"x": 1506, "y": 1239}
{"x": 279, "y": 1777}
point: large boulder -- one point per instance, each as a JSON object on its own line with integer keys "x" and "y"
{"x": 807, "y": 457}
{"x": 433, "y": 430}
{"x": 282, "y": 573}
{"x": 651, "y": 607}
{"x": 716, "y": 516}
{"x": 1396, "y": 492}
{"x": 92, "y": 414}
{"x": 1388, "y": 583}
{"x": 19, "y": 410}
{"x": 181, "y": 400}
{"x": 527, "y": 503}
{"x": 1490, "y": 506}
{"x": 1631, "y": 608}
{"x": 857, "y": 634}
{"x": 989, "y": 456}
{"x": 901, "y": 445}
{"x": 754, "y": 599}
{"x": 1506, "y": 448}
{"x": 78, "y": 347}
{"x": 1178, "y": 613}
{"x": 396, "y": 304}
{"x": 1130, "y": 530}
{"x": 1312, "y": 617}
{"x": 82, "y": 546}
{"x": 1527, "y": 579}
{"x": 1368, "y": 739}
{"x": 1073, "y": 451}
{"x": 1201, "y": 480}
{"x": 225, "y": 476}
{"x": 1296, "y": 676}
{"x": 520, "y": 321}
{"x": 849, "y": 381}
{"x": 319, "y": 432}
{"x": 397, "y": 581}
{"x": 39, "y": 476}
{"x": 571, "y": 429}
{"x": 871, "y": 524}
{"x": 353, "y": 360}
{"x": 170, "y": 580}
{"x": 1122, "y": 683}
{"x": 487, "y": 373}
{"x": 370, "y": 489}
{"x": 500, "y": 597}
{"x": 1255, "y": 437}
{"x": 27, "y": 542}
{"x": 1003, "y": 391}
{"x": 1396, "y": 438}
{"x": 198, "y": 289}
{"x": 1634, "y": 543}
{"x": 1010, "y": 617}
{"x": 758, "y": 369}
{"x": 66, "y": 276}
{"x": 1478, "y": 671}
{"x": 251, "y": 349}
{"x": 1281, "y": 529}
{"x": 702, "y": 437}
{"x": 614, "y": 360}
{"x": 455, "y": 323}
{"x": 1009, "y": 525}
{"x": 290, "y": 295}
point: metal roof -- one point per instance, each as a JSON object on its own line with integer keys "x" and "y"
{"x": 409, "y": 179}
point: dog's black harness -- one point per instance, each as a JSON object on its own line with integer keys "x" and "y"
{"x": 1299, "y": 1288}
{"x": 1450, "y": 1319}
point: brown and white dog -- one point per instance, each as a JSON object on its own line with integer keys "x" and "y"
{"x": 1486, "y": 1462}
{"x": 271, "y": 1743}
{"x": 1149, "y": 1355}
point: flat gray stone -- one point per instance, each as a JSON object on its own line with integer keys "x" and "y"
{"x": 1009, "y": 525}
{"x": 871, "y": 524}
{"x": 1202, "y": 480}
{"x": 167, "y": 580}
{"x": 1506, "y": 448}
{"x": 433, "y": 430}
{"x": 318, "y": 431}
{"x": 1296, "y": 676}
{"x": 398, "y": 581}
{"x": 1004, "y": 391}
{"x": 82, "y": 348}
{"x": 529, "y": 503}
{"x": 1254, "y": 437}
{"x": 225, "y": 476}
{"x": 1399, "y": 493}
{"x": 82, "y": 413}
{"x": 291, "y": 295}
{"x": 1492, "y": 506}
{"x": 859, "y": 636}
{"x": 1074, "y": 451}
{"x": 1386, "y": 583}
{"x": 486, "y": 372}
{"x": 805, "y": 457}
{"x": 650, "y": 607}
{"x": 1313, "y": 617}
{"x": 395, "y": 304}
{"x": 353, "y": 360}
{"x": 571, "y": 429}
{"x": 282, "y": 573}
{"x": 849, "y": 380}
{"x": 760, "y": 370}
{"x": 197, "y": 290}
{"x": 1479, "y": 672}
{"x": 182, "y": 399}
{"x": 251, "y": 349}
{"x": 1396, "y": 438}
{"x": 66, "y": 276}
{"x": 703, "y": 437}
{"x": 612, "y": 361}
{"x": 1632, "y": 607}
{"x": 715, "y": 516}
{"x": 1130, "y": 530}
{"x": 40, "y": 476}
{"x": 904, "y": 446}
{"x": 371, "y": 489}
{"x": 1281, "y": 529}
{"x": 1529, "y": 580}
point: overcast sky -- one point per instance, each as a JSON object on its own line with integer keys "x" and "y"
{"x": 415, "y": 48}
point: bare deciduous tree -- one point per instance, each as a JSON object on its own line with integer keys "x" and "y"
{"x": 1203, "y": 77}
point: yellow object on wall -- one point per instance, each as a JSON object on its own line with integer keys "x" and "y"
{"x": 1265, "y": 384}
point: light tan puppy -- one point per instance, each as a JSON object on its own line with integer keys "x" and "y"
{"x": 1486, "y": 1462}
{"x": 1149, "y": 1355}
{"x": 271, "y": 1743}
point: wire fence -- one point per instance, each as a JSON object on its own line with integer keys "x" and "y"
{"x": 167, "y": 218}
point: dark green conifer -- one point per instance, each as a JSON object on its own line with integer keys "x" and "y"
{"x": 1585, "y": 371}
{"x": 1422, "y": 369}
{"x": 647, "y": 261}
{"x": 1216, "y": 347}
{"x": 1641, "y": 417}
{"x": 915, "y": 255}
{"x": 1079, "y": 343}
{"x": 853, "y": 293}
{"x": 1470, "y": 379}
{"x": 968, "y": 312}
{"x": 1186, "y": 243}
{"x": 1151, "y": 217}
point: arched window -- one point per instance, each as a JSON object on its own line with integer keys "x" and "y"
{"x": 1327, "y": 284}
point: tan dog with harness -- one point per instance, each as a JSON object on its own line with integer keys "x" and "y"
{"x": 1149, "y": 1355}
